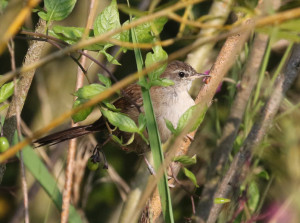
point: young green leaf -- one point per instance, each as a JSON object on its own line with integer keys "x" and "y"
{"x": 151, "y": 58}
{"x": 108, "y": 20}
{"x": 123, "y": 122}
{"x": 82, "y": 114}
{"x": 120, "y": 141}
{"x": 142, "y": 122}
{"x": 185, "y": 160}
{"x": 221, "y": 200}
{"x": 183, "y": 120}
{"x": 105, "y": 80}
{"x": 109, "y": 57}
{"x": 57, "y": 9}
{"x": 170, "y": 126}
{"x": 89, "y": 91}
{"x": 110, "y": 106}
{"x": 264, "y": 174}
{"x": 164, "y": 82}
{"x": 144, "y": 31}
{"x": 6, "y": 91}
{"x": 254, "y": 196}
{"x": 72, "y": 35}
{"x": 191, "y": 176}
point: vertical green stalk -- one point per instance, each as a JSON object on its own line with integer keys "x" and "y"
{"x": 154, "y": 139}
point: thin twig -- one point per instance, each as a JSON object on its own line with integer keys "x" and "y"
{"x": 267, "y": 20}
{"x": 73, "y": 142}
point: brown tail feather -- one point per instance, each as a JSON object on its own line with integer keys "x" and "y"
{"x": 70, "y": 133}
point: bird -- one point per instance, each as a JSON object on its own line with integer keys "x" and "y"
{"x": 169, "y": 103}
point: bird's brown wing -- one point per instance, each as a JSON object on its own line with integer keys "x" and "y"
{"x": 131, "y": 101}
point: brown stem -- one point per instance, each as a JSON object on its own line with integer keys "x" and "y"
{"x": 73, "y": 142}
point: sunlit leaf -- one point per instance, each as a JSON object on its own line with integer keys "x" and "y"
{"x": 57, "y": 9}
{"x": 120, "y": 141}
{"x": 183, "y": 120}
{"x": 264, "y": 174}
{"x": 191, "y": 176}
{"x": 6, "y": 91}
{"x": 105, "y": 80}
{"x": 170, "y": 126}
{"x": 254, "y": 196}
{"x": 82, "y": 114}
{"x": 221, "y": 200}
{"x": 186, "y": 160}
{"x": 163, "y": 82}
{"x": 123, "y": 122}
{"x": 142, "y": 122}
{"x": 151, "y": 58}
{"x": 89, "y": 91}
{"x": 72, "y": 35}
{"x": 108, "y": 20}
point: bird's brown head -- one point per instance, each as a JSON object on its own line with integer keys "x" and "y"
{"x": 182, "y": 74}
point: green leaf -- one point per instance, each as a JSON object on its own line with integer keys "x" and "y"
{"x": 144, "y": 31}
{"x": 191, "y": 176}
{"x": 3, "y": 4}
{"x": 72, "y": 35}
{"x": 185, "y": 160}
{"x": 89, "y": 91}
{"x": 254, "y": 196}
{"x": 110, "y": 106}
{"x": 82, "y": 114}
{"x": 109, "y": 57}
{"x": 221, "y": 200}
{"x": 183, "y": 120}
{"x": 164, "y": 82}
{"x": 105, "y": 80}
{"x": 142, "y": 122}
{"x": 6, "y": 91}
{"x": 151, "y": 58}
{"x": 108, "y": 20}
{"x": 122, "y": 121}
{"x": 57, "y": 9}
{"x": 264, "y": 174}
{"x": 120, "y": 141}
{"x": 170, "y": 126}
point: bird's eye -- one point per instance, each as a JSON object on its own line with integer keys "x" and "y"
{"x": 181, "y": 74}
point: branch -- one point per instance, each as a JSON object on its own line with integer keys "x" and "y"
{"x": 232, "y": 125}
{"x": 33, "y": 54}
{"x": 258, "y": 131}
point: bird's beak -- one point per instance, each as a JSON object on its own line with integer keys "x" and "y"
{"x": 198, "y": 75}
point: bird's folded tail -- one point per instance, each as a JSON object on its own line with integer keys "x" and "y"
{"x": 68, "y": 134}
